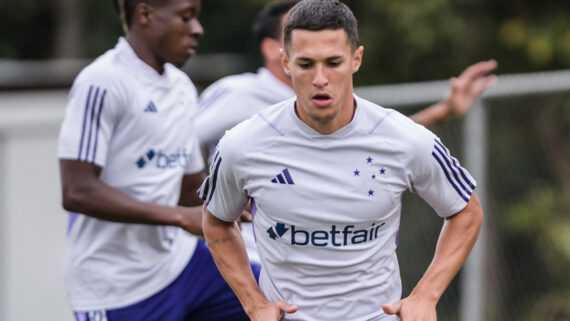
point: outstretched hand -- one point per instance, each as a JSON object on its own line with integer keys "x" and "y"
{"x": 468, "y": 86}
{"x": 273, "y": 311}
{"x": 412, "y": 309}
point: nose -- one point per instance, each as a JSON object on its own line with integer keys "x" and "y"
{"x": 195, "y": 28}
{"x": 320, "y": 79}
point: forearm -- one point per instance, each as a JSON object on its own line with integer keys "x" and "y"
{"x": 101, "y": 201}
{"x": 433, "y": 116}
{"x": 226, "y": 245}
{"x": 457, "y": 238}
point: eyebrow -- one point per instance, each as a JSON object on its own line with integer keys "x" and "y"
{"x": 311, "y": 59}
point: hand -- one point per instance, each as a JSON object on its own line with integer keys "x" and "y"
{"x": 246, "y": 213}
{"x": 412, "y": 309}
{"x": 272, "y": 311}
{"x": 468, "y": 86}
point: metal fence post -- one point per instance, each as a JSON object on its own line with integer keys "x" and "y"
{"x": 475, "y": 155}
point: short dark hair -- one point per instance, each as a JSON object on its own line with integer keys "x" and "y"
{"x": 316, "y": 15}
{"x": 126, "y": 8}
{"x": 267, "y": 23}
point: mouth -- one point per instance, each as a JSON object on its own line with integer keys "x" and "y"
{"x": 322, "y": 99}
{"x": 191, "y": 49}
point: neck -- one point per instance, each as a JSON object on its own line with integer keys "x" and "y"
{"x": 144, "y": 53}
{"x": 277, "y": 70}
{"x": 327, "y": 126}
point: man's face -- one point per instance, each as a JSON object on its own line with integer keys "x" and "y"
{"x": 321, "y": 64}
{"x": 176, "y": 31}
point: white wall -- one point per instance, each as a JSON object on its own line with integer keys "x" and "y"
{"x": 32, "y": 222}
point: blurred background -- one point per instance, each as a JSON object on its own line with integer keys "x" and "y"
{"x": 515, "y": 140}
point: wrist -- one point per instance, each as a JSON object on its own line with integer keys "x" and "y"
{"x": 431, "y": 297}
{"x": 254, "y": 303}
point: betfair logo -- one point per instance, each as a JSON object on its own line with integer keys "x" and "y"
{"x": 164, "y": 160}
{"x": 336, "y": 236}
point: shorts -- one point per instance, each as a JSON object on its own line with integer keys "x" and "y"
{"x": 199, "y": 293}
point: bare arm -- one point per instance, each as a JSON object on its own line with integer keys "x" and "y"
{"x": 458, "y": 236}
{"x": 226, "y": 245}
{"x": 464, "y": 90}
{"x": 84, "y": 192}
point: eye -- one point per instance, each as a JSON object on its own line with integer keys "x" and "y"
{"x": 334, "y": 63}
{"x": 304, "y": 65}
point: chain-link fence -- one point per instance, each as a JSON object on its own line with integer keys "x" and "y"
{"x": 516, "y": 143}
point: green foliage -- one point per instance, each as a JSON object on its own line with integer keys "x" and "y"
{"x": 405, "y": 40}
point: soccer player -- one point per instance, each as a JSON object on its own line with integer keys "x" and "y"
{"x": 130, "y": 167}
{"x": 235, "y": 98}
{"x": 325, "y": 171}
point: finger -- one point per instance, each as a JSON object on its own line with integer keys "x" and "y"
{"x": 392, "y": 309}
{"x": 245, "y": 216}
{"x": 484, "y": 84}
{"x": 476, "y": 71}
{"x": 286, "y": 307}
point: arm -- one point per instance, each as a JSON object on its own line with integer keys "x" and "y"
{"x": 226, "y": 245}
{"x": 84, "y": 192}
{"x": 464, "y": 90}
{"x": 458, "y": 236}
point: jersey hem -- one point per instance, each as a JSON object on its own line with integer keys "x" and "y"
{"x": 116, "y": 303}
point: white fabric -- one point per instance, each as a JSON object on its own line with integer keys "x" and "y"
{"x": 229, "y": 101}
{"x": 327, "y": 207}
{"x": 138, "y": 126}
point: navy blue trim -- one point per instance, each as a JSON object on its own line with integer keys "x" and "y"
{"x": 449, "y": 178}
{"x": 101, "y": 105}
{"x": 91, "y": 124}
{"x": 445, "y": 158}
{"x": 204, "y": 193}
{"x": 84, "y": 121}
{"x": 214, "y": 180}
{"x": 459, "y": 168}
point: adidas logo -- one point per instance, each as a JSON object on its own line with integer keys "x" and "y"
{"x": 150, "y": 108}
{"x": 283, "y": 178}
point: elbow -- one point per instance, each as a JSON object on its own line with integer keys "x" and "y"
{"x": 74, "y": 199}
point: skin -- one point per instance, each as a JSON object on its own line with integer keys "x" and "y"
{"x": 166, "y": 33}
{"x": 321, "y": 64}
{"x": 158, "y": 35}
{"x": 464, "y": 89}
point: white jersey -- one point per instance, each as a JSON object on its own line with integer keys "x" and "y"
{"x": 234, "y": 99}
{"x": 230, "y": 101}
{"x": 138, "y": 126}
{"x": 327, "y": 207}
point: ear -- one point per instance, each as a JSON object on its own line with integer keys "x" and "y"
{"x": 270, "y": 49}
{"x": 285, "y": 62}
{"x": 142, "y": 13}
{"x": 357, "y": 59}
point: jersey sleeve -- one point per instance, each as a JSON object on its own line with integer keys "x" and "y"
{"x": 438, "y": 177}
{"x": 90, "y": 117}
{"x": 222, "y": 191}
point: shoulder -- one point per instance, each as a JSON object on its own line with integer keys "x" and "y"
{"x": 261, "y": 127}
{"x": 105, "y": 72}
{"x": 180, "y": 78}
{"x": 407, "y": 138}
{"x": 236, "y": 83}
